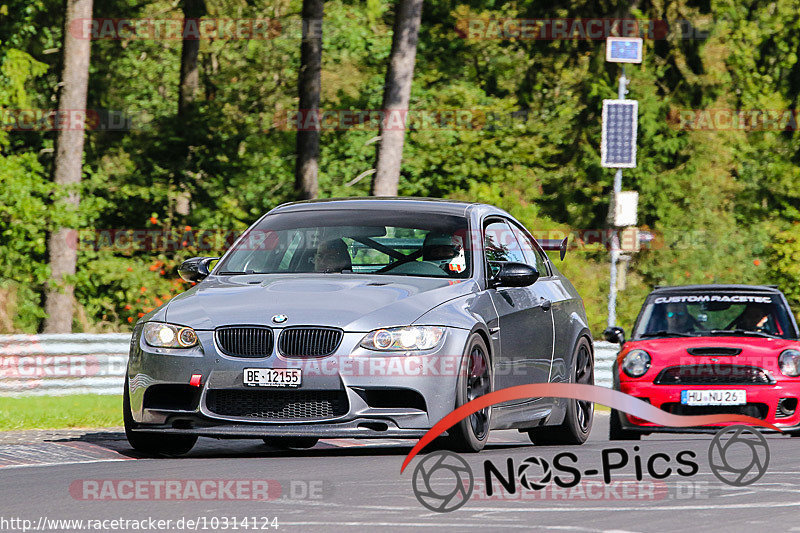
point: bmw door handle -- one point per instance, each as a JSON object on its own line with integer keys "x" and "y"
{"x": 546, "y": 304}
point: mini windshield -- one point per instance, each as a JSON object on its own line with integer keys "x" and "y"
{"x": 714, "y": 314}
{"x": 353, "y": 242}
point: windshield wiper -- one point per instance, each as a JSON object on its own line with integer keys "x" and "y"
{"x": 741, "y": 332}
{"x": 665, "y": 333}
{"x": 236, "y": 272}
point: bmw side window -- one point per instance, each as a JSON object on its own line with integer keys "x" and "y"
{"x": 501, "y": 245}
{"x": 531, "y": 247}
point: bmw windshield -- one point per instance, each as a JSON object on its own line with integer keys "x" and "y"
{"x": 677, "y": 315}
{"x": 353, "y": 242}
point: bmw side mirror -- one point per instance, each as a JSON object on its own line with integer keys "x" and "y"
{"x": 615, "y": 334}
{"x": 515, "y": 275}
{"x": 196, "y": 269}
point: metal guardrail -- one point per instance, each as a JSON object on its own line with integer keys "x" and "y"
{"x": 59, "y": 364}
{"x": 56, "y": 365}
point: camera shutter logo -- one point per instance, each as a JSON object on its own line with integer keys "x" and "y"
{"x": 527, "y": 477}
{"x": 738, "y": 455}
{"x": 443, "y": 482}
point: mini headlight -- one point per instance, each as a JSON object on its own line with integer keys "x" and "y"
{"x": 636, "y": 363}
{"x": 789, "y": 361}
{"x": 163, "y": 335}
{"x": 403, "y": 339}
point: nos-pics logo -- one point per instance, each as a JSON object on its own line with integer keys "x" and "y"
{"x": 444, "y": 482}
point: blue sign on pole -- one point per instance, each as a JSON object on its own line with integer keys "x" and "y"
{"x": 624, "y": 49}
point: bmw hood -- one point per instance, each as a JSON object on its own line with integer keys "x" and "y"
{"x": 356, "y": 303}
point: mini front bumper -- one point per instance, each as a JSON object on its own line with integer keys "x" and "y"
{"x": 665, "y": 396}
{"x": 350, "y": 371}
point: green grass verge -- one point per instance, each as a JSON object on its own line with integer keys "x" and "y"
{"x": 78, "y": 411}
{"x": 60, "y": 412}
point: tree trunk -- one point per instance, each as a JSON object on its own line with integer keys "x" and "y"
{"x": 396, "y": 95}
{"x": 190, "y": 76}
{"x": 63, "y": 244}
{"x": 188, "y": 86}
{"x": 309, "y": 83}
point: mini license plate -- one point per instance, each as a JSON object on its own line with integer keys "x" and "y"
{"x": 714, "y": 397}
{"x": 273, "y": 377}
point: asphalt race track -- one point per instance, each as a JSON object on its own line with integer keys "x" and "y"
{"x": 344, "y": 485}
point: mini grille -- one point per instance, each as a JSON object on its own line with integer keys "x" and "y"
{"x": 756, "y": 410}
{"x": 245, "y": 341}
{"x": 309, "y": 342}
{"x": 713, "y": 375}
{"x": 277, "y": 405}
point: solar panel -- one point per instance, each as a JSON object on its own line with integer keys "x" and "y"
{"x": 618, "y": 142}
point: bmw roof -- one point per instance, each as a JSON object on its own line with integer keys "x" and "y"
{"x": 375, "y": 202}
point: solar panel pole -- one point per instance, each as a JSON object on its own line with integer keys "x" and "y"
{"x": 615, "y": 249}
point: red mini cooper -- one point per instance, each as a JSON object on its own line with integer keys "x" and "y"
{"x": 710, "y": 349}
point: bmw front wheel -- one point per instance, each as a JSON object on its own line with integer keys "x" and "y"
{"x": 474, "y": 380}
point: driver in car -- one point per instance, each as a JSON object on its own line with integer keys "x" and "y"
{"x": 678, "y": 318}
{"x": 444, "y": 250}
{"x": 332, "y": 256}
{"x": 753, "y": 318}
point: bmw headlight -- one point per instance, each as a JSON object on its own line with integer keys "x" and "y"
{"x": 163, "y": 335}
{"x": 636, "y": 363}
{"x": 403, "y": 339}
{"x": 789, "y": 361}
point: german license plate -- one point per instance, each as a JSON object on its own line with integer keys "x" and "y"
{"x": 714, "y": 397}
{"x": 273, "y": 377}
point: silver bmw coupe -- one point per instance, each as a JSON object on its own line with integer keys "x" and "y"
{"x": 361, "y": 318}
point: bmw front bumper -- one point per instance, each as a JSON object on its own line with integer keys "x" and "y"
{"x": 352, "y": 393}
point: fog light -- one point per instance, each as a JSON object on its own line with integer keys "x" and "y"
{"x": 786, "y": 407}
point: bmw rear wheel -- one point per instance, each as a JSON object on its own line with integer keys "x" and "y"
{"x": 474, "y": 381}
{"x": 578, "y": 420}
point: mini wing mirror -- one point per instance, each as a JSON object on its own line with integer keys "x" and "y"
{"x": 515, "y": 275}
{"x": 615, "y": 334}
{"x": 196, "y": 269}
{"x": 562, "y": 249}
